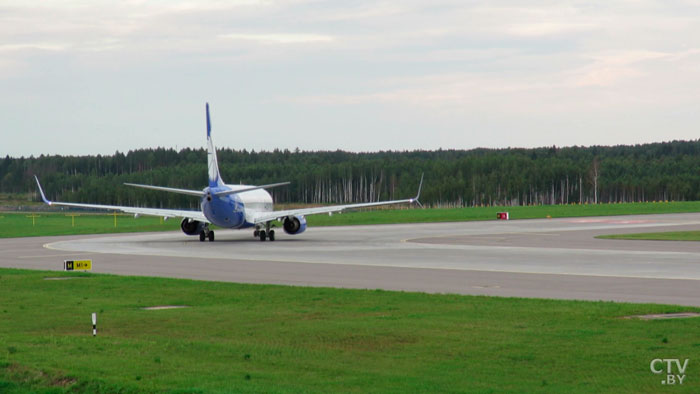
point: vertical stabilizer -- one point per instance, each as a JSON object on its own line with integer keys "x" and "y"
{"x": 212, "y": 163}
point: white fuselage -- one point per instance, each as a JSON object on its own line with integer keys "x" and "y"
{"x": 255, "y": 200}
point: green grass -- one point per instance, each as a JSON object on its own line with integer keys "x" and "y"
{"x": 47, "y": 224}
{"x": 20, "y": 224}
{"x": 489, "y": 213}
{"x": 665, "y": 236}
{"x": 265, "y": 338}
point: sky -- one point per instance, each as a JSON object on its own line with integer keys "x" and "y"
{"x": 95, "y": 77}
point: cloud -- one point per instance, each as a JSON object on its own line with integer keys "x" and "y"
{"x": 605, "y": 81}
{"x": 609, "y": 68}
{"x": 546, "y": 28}
{"x": 34, "y": 46}
{"x": 278, "y": 38}
{"x": 448, "y": 63}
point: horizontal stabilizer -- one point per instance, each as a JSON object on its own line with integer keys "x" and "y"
{"x": 198, "y": 193}
{"x": 247, "y": 189}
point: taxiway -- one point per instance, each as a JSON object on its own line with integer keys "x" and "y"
{"x": 549, "y": 258}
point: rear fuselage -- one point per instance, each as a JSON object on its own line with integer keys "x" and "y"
{"x": 231, "y": 211}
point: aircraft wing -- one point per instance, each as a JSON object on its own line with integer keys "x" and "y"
{"x": 262, "y": 217}
{"x": 166, "y": 213}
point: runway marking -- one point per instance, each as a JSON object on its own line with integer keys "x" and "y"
{"x": 612, "y": 221}
{"x": 55, "y": 255}
{"x": 521, "y": 233}
{"x": 410, "y": 245}
{"x": 359, "y": 264}
{"x": 681, "y": 315}
{"x": 161, "y": 307}
{"x": 391, "y": 244}
{"x": 479, "y": 236}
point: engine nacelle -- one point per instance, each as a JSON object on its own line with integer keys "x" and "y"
{"x": 294, "y": 224}
{"x": 191, "y": 227}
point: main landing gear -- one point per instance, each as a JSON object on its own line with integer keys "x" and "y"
{"x": 206, "y": 233}
{"x": 264, "y": 234}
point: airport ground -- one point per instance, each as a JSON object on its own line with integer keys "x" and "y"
{"x": 57, "y": 221}
{"x": 546, "y": 258}
{"x": 354, "y": 339}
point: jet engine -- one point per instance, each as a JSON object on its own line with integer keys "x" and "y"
{"x": 191, "y": 227}
{"x": 294, "y": 224}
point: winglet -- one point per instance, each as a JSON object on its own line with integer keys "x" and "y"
{"x": 208, "y": 122}
{"x": 420, "y": 187}
{"x": 41, "y": 191}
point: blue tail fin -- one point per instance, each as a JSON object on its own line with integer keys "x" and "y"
{"x": 212, "y": 162}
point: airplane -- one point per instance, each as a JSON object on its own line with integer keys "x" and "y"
{"x": 231, "y": 206}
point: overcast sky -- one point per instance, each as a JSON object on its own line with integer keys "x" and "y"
{"x": 89, "y": 77}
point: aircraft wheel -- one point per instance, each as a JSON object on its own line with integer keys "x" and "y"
{"x": 211, "y": 236}
{"x": 202, "y": 236}
{"x": 272, "y": 235}
{"x": 256, "y": 233}
{"x": 263, "y": 235}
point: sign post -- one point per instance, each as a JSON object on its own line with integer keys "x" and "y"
{"x": 33, "y": 216}
{"x": 77, "y": 265}
{"x": 94, "y": 324}
{"x": 73, "y": 215}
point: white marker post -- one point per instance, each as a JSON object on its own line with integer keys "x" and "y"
{"x": 94, "y": 324}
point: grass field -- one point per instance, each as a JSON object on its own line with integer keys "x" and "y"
{"x": 46, "y": 224}
{"x": 489, "y": 213}
{"x": 264, "y": 338}
{"x": 666, "y": 236}
{"x": 22, "y": 225}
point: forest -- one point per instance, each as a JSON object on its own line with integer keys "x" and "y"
{"x": 512, "y": 176}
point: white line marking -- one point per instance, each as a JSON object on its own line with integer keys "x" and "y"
{"x": 55, "y": 255}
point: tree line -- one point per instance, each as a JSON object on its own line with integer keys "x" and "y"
{"x": 549, "y": 175}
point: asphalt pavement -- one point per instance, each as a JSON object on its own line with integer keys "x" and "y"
{"x": 548, "y": 258}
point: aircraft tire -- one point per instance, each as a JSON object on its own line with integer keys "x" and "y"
{"x": 211, "y": 236}
{"x": 263, "y": 235}
{"x": 202, "y": 236}
{"x": 272, "y": 235}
